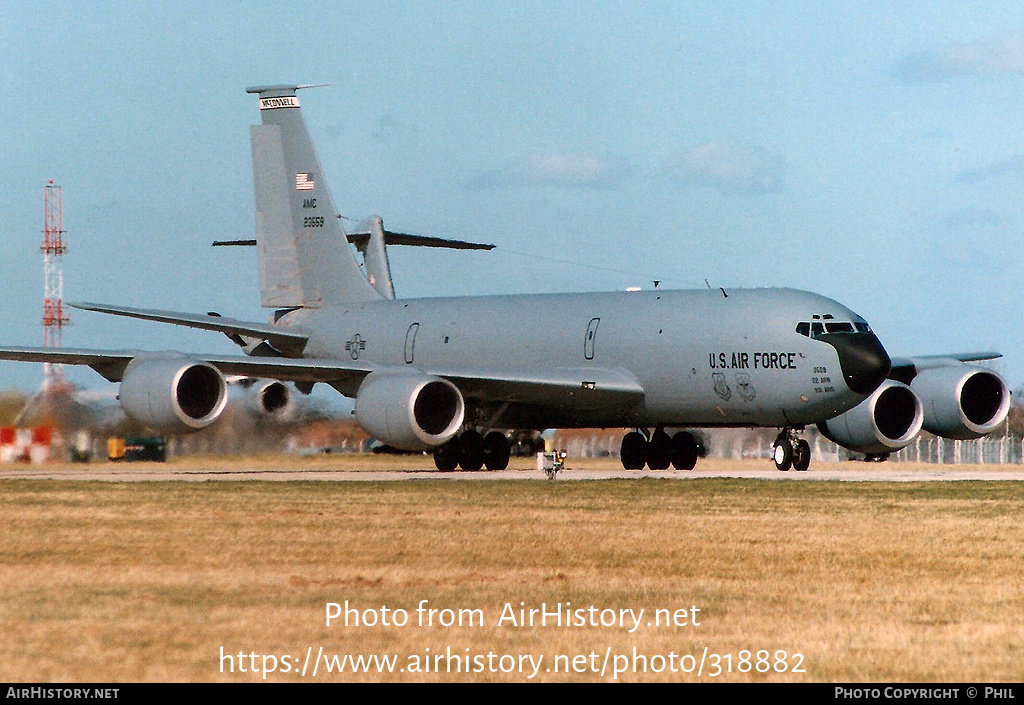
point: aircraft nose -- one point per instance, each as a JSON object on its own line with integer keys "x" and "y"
{"x": 864, "y": 361}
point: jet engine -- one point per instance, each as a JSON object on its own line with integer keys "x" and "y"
{"x": 273, "y": 399}
{"x": 961, "y": 402}
{"x": 173, "y": 394}
{"x": 883, "y": 423}
{"x": 409, "y": 411}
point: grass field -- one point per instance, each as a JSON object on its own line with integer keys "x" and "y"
{"x": 865, "y": 581}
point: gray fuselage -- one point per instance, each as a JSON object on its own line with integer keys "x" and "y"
{"x": 702, "y": 357}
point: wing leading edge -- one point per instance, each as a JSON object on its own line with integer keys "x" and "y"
{"x": 904, "y": 369}
{"x": 284, "y": 340}
{"x": 595, "y": 384}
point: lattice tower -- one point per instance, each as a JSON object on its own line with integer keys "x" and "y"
{"x": 53, "y": 249}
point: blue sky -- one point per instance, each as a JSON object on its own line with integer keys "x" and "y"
{"x": 870, "y": 152}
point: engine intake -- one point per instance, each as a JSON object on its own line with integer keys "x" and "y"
{"x": 173, "y": 394}
{"x": 409, "y": 411}
{"x": 962, "y": 402}
{"x": 273, "y": 399}
{"x": 883, "y": 423}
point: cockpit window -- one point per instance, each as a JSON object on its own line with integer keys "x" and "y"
{"x": 818, "y": 328}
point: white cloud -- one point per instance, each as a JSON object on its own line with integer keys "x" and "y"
{"x": 558, "y": 169}
{"x": 729, "y": 166}
{"x": 998, "y": 55}
{"x": 1014, "y": 166}
{"x": 973, "y": 218}
{"x": 574, "y": 169}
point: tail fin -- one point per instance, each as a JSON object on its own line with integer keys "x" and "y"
{"x": 304, "y": 256}
{"x": 375, "y": 255}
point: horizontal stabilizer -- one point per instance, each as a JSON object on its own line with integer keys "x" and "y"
{"x": 390, "y": 238}
{"x": 393, "y": 238}
{"x": 235, "y": 243}
{"x": 284, "y": 340}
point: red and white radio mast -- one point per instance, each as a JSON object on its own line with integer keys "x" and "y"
{"x": 53, "y": 249}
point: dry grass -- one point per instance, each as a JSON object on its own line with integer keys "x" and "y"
{"x": 870, "y": 582}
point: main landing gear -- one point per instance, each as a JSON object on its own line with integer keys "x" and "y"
{"x": 473, "y": 451}
{"x": 791, "y": 452}
{"x": 659, "y": 451}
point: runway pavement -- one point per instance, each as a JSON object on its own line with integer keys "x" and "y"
{"x": 399, "y": 469}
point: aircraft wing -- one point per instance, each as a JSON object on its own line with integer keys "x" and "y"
{"x": 111, "y": 363}
{"x": 553, "y": 386}
{"x": 937, "y": 360}
{"x": 904, "y": 369}
{"x": 282, "y": 339}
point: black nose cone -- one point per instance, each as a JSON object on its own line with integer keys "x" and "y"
{"x": 863, "y": 359}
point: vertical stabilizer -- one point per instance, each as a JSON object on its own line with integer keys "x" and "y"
{"x": 304, "y": 255}
{"x": 375, "y": 256}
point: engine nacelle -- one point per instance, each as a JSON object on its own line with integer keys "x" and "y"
{"x": 409, "y": 411}
{"x": 962, "y": 401}
{"x": 273, "y": 399}
{"x": 173, "y": 394}
{"x": 883, "y": 423}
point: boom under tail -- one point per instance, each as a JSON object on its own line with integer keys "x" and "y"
{"x": 304, "y": 256}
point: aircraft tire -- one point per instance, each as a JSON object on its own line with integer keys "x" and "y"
{"x": 659, "y": 451}
{"x": 684, "y": 451}
{"x": 801, "y": 455}
{"x": 633, "y": 452}
{"x": 448, "y": 455}
{"x": 782, "y": 454}
{"x": 472, "y": 451}
{"x": 496, "y": 451}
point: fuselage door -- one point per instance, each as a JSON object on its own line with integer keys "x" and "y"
{"x": 588, "y": 342}
{"x": 410, "y": 343}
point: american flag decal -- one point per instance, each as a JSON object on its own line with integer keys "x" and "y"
{"x": 304, "y": 182}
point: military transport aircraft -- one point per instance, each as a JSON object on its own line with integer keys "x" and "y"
{"x": 450, "y": 374}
